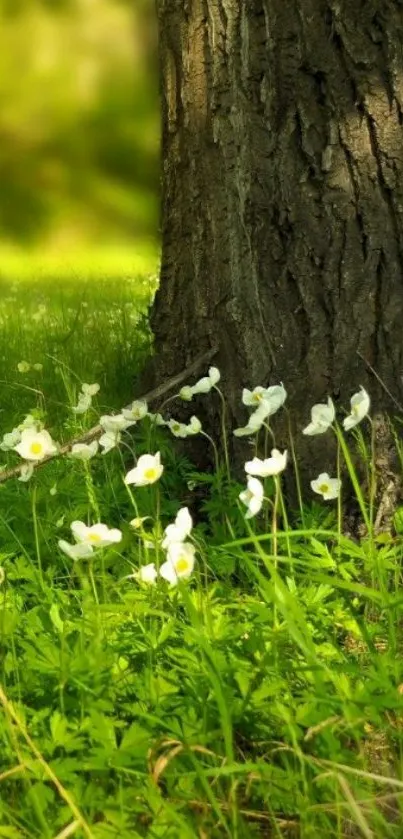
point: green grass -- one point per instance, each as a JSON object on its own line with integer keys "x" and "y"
{"x": 259, "y": 698}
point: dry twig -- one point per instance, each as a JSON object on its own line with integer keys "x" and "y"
{"x": 96, "y": 430}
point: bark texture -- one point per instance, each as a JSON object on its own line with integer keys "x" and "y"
{"x": 282, "y": 218}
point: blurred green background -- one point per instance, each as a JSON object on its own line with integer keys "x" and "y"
{"x": 79, "y": 132}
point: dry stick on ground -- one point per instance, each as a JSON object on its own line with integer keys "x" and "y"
{"x": 96, "y": 430}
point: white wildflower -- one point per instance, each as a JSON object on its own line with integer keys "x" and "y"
{"x": 35, "y": 445}
{"x": 274, "y": 397}
{"x": 327, "y": 487}
{"x": 322, "y": 417}
{"x": 180, "y": 562}
{"x": 146, "y": 574}
{"x": 147, "y": 471}
{"x": 178, "y": 429}
{"x": 115, "y": 422}
{"x": 109, "y": 440}
{"x": 270, "y": 466}
{"x": 84, "y": 403}
{"x": 186, "y": 393}
{"x": 26, "y": 472}
{"x": 252, "y": 497}
{"x": 360, "y": 404}
{"x": 84, "y": 451}
{"x": 79, "y": 551}
{"x": 98, "y": 535}
{"x": 137, "y": 410}
{"x": 180, "y": 529}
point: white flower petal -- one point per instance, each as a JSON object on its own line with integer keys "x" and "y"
{"x": 360, "y": 405}
{"x": 328, "y": 487}
{"x": 148, "y": 470}
{"x": 35, "y": 445}
{"x": 270, "y": 466}
{"x": 146, "y": 574}
{"x": 83, "y": 451}
{"x": 80, "y": 551}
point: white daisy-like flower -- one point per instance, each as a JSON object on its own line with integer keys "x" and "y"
{"x": 180, "y": 529}
{"x": 214, "y": 375}
{"x": 23, "y": 367}
{"x": 137, "y": 410}
{"x": 360, "y": 404}
{"x": 194, "y": 426}
{"x": 35, "y": 445}
{"x": 148, "y": 470}
{"x": 270, "y": 466}
{"x": 79, "y": 551}
{"x": 204, "y": 385}
{"x": 322, "y": 417}
{"x": 327, "y": 487}
{"x": 146, "y": 574}
{"x": 178, "y": 429}
{"x": 84, "y": 451}
{"x": 115, "y": 422}
{"x": 273, "y": 396}
{"x": 109, "y": 440}
{"x": 84, "y": 403}
{"x": 252, "y": 497}
{"x": 255, "y": 422}
{"x": 180, "y": 562}
{"x": 186, "y": 393}
{"x": 26, "y": 472}
{"x": 97, "y": 535}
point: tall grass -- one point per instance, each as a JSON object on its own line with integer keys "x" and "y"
{"x": 260, "y": 697}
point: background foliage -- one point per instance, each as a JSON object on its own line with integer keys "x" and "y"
{"x": 78, "y": 123}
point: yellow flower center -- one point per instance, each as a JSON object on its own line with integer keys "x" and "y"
{"x": 257, "y": 397}
{"x": 181, "y": 565}
{"x": 94, "y": 537}
{"x": 36, "y": 448}
{"x": 324, "y": 488}
{"x": 151, "y": 474}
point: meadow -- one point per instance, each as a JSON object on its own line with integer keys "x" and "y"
{"x": 231, "y": 671}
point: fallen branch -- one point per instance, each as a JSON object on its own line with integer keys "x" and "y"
{"x": 97, "y": 430}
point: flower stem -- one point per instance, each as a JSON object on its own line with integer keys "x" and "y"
{"x": 36, "y": 535}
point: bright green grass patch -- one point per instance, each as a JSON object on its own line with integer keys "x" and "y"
{"x": 259, "y": 698}
{"x": 91, "y": 263}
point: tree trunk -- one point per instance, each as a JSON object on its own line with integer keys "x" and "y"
{"x": 282, "y": 218}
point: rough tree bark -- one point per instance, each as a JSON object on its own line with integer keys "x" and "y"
{"x": 282, "y": 218}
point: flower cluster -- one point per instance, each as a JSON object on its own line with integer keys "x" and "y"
{"x": 322, "y": 418}
{"x": 180, "y": 553}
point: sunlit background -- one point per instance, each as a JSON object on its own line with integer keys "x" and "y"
{"x": 79, "y": 134}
